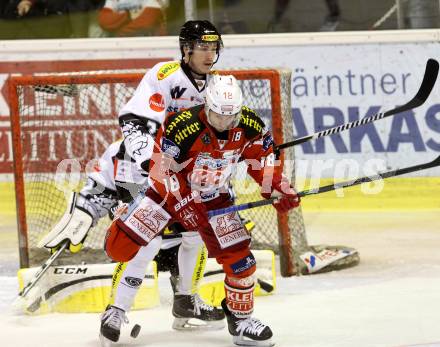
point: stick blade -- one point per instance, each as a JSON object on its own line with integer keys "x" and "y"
{"x": 29, "y": 303}
{"x": 436, "y": 161}
{"x": 429, "y": 79}
{"x": 428, "y": 82}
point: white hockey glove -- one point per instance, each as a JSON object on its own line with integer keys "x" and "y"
{"x": 73, "y": 226}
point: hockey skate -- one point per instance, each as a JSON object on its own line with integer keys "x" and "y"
{"x": 247, "y": 331}
{"x": 174, "y": 280}
{"x": 192, "y": 313}
{"x": 111, "y": 321}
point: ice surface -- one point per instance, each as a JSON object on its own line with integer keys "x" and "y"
{"x": 391, "y": 299}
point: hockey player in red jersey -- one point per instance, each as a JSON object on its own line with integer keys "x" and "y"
{"x": 196, "y": 155}
{"x": 167, "y": 87}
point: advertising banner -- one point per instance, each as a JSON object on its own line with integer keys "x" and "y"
{"x": 336, "y": 84}
{"x": 332, "y": 84}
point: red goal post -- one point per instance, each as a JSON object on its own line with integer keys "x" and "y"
{"x": 74, "y": 117}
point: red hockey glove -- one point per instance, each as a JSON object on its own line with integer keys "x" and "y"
{"x": 288, "y": 198}
{"x": 190, "y": 211}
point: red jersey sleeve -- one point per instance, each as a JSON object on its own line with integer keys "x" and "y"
{"x": 165, "y": 176}
{"x": 170, "y": 156}
{"x": 262, "y": 166}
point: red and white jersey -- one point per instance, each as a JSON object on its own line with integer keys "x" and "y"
{"x": 166, "y": 88}
{"x": 203, "y": 159}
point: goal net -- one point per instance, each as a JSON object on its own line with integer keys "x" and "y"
{"x": 62, "y": 123}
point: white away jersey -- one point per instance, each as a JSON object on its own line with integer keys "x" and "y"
{"x": 165, "y": 88}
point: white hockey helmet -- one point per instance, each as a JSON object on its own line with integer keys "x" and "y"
{"x": 225, "y": 99}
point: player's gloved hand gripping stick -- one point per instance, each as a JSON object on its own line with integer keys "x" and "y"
{"x": 330, "y": 187}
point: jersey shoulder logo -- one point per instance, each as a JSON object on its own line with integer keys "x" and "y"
{"x": 184, "y": 128}
{"x": 167, "y": 69}
{"x": 251, "y": 123}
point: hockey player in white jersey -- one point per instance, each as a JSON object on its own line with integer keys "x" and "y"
{"x": 167, "y": 87}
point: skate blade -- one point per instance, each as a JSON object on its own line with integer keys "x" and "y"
{"x": 242, "y": 341}
{"x": 194, "y": 324}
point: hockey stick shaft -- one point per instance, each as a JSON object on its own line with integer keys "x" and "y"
{"x": 329, "y": 187}
{"x": 429, "y": 78}
{"x": 42, "y": 270}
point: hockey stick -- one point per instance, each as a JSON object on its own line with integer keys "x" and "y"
{"x": 330, "y": 187}
{"x": 429, "y": 78}
{"x": 20, "y": 301}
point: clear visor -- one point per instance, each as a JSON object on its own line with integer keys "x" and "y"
{"x": 223, "y": 122}
{"x": 207, "y": 46}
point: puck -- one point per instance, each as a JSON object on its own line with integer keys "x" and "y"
{"x": 135, "y": 331}
{"x": 267, "y": 287}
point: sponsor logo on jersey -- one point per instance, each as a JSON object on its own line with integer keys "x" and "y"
{"x": 133, "y": 281}
{"x": 186, "y": 132}
{"x": 177, "y": 92}
{"x": 206, "y": 139}
{"x": 186, "y": 200}
{"x": 267, "y": 142}
{"x": 150, "y": 217}
{"x": 169, "y": 147}
{"x": 209, "y": 196}
{"x": 251, "y": 122}
{"x": 167, "y": 70}
{"x": 205, "y": 160}
{"x": 176, "y": 120}
{"x": 210, "y": 38}
{"x": 157, "y": 103}
{"x": 243, "y": 264}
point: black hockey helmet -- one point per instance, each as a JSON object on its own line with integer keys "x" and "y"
{"x": 199, "y": 31}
